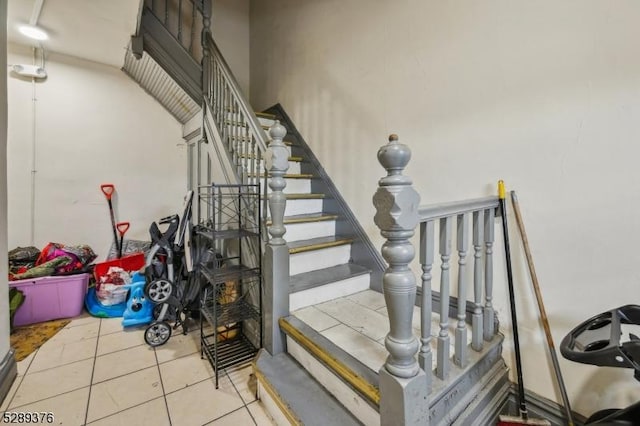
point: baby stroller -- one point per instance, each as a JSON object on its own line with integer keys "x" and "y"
{"x": 170, "y": 283}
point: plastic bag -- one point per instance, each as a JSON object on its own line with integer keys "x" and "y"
{"x": 109, "y": 290}
{"x": 22, "y": 258}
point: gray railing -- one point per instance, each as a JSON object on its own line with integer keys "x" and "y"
{"x": 184, "y": 20}
{"x": 474, "y": 221}
{"x": 240, "y": 131}
{"x": 397, "y": 215}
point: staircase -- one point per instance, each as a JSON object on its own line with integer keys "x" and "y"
{"x": 336, "y": 318}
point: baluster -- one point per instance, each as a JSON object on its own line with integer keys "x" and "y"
{"x": 180, "y": 21}
{"x": 403, "y": 385}
{"x": 166, "y": 13}
{"x": 488, "y": 273}
{"x": 462, "y": 236}
{"x": 193, "y": 27}
{"x": 476, "y": 322}
{"x": 427, "y": 249}
{"x": 254, "y": 165}
{"x": 442, "y": 366}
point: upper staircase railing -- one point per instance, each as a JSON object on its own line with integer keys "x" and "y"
{"x": 240, "y": 131}
{"x": 184, "y": 20}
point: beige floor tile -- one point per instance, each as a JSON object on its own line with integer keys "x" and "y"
{"x": 178, "y": 346}
{"x": 369, "y": 298}
{"x": 123, "y": 362}
{"x": 123, "y": 392}
{"x": 260, "y": 415}
{"x": 110, "y": 325}
{"x": 315, "y": 318}
{"x": 183, "y": 372}
{"x": 12, "y": 391}
{"x": 74, "y": 334}
{"x": 362, "y": 319}
{"x": 245, "y": 382}
{"x": 239, "y": 417}
{"x": 66, "y": 353}
{"x": 152, "y": 413}
{"x": 83, "y": 319}
{"x": 23, "y": 366}
{"x": 52, "y": 382}
{"x": 118, "y": 341}
{"x": 202, "y": 403}
{"x": 369, "y": 352}
{"x": 68, "y": 409}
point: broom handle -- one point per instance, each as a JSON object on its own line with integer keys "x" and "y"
{"x": 543, "y": 312}
{"x": 512, "y": 301}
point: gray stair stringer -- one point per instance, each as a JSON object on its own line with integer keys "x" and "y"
{"x": 449, "y": 398}
{"x": 320, "y": 277}
{"x": 306, "y": 399}
{"x": 489, "y": 399}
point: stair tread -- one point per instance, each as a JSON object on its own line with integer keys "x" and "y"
{"x": 345, "y": 366}
{"x": 318, "y": 243}
{"x": 308, "y": 217}
{"x": 288, "y": 176}
{"x": 319, "y": 277}
{"x": 293, "y": 158}
{"x": 241, "y": 124}
{"x": 304, "y": 196}
{"x": 296, "y": 388}
{"x": 266, "y": 115}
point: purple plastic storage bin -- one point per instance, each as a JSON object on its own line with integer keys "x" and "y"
{"x": 49, "y": 298}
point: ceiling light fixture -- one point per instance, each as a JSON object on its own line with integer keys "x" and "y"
{"x": 33, "y": 32}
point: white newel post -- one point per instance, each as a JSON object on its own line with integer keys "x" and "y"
{"x": 276, "y": 256}
{"x": 403, "y": 384}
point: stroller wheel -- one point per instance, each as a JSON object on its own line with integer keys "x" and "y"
{"x": 157, "y": 333}
{"x": 159, "y": 290}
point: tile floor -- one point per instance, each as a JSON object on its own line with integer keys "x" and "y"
{"x": 359, "y": 323}
{"x": 92, "y": 372}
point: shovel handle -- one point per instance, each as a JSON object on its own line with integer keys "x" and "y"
{"x": 122, "y": 228}
{"x": 108, "y": 190}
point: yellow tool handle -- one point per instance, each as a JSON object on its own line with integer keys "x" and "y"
{"x": 501, "y": 191}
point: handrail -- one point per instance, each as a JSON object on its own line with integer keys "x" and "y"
{"x": 243, "y": 103}
{"x": 438, "y": 211}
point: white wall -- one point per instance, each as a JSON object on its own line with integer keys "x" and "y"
{"x": 4, "y": 292}
{"x": 94, "y": 125}
{"x": 545, "y": 95}
{"x": 230, "y": 26}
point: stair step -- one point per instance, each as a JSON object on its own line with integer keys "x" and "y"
{"x": 318, "y": 243}
{"x": 288, "y": 176}
{"x": 305, "y": 196}
{"x": 307, "y": 218}
{"x": 266, "y": 115}
{"x": 291, "y": 158}
{"x": 324, "y": 276}
{"x": 344, "y": 376}
{"x": 292, "y": 396}
{"x": 241, "y": 124}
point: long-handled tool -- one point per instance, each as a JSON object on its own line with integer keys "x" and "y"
{"x": 522, "y": 404}
{"x": 108, "y": 189}
{"x": 122, "y": 227}
{"x": 543, "y": 312}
